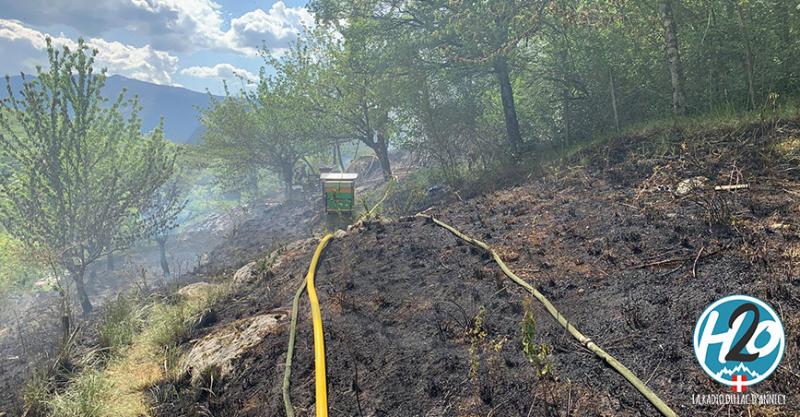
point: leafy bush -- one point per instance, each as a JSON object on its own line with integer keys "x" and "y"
{"x": 536, "y": 353}
{"x": 123, "y": 319}
{"x": 15, "y": 270}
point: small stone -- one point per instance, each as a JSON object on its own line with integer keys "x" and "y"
{"x": 778, "y": 226}
{"x": 245, "y": 273}
{"x": 196, "y": 290}
{"x": 690, "y": 184}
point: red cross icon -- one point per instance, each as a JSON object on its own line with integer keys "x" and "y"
{"x": 738, "y": 385}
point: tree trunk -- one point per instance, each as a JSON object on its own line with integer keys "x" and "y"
{"x": 80, "y": 287}
{"x": 110, "y": 261}
{"x": 66, "y": 329}
{"x": 565, "y": 97}
{"x": 748, "y": 56}
{"x": 162, "y": 249}
{"x": 287, "y": 174}
{"x": 338, "y": 155}
{"x": 673, "y": 56}
{"x": 252, "y": 179}
{"x": 381, "y": 148}
{"x": 507, "y": 96}
{"x": 783, "y": 9}
{"x": 613, "y": 99}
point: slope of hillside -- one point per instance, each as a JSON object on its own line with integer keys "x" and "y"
{"x": 419, "y": 323}
{"x": 178, "y": 106}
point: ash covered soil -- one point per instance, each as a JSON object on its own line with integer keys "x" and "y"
{"x": 418, "y": 323}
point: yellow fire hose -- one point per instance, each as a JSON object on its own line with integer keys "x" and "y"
{"x": 585, "y": 341}
{"x": 320, "y": 377}
{"x": 319, "y": 340}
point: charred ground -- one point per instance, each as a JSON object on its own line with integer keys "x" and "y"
{"x": 604, "y": 236}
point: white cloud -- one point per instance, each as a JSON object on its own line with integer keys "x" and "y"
{"x": 26, "y": 46}
{"x": 156, "y": 33}
{"x": 220, "y": 71}
{"x": 180, "y": 25}
{"x": 143, "y": 63}
{"x": 169, "y": 25}
{"x": 277, "y": 29}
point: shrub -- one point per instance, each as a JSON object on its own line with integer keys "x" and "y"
{"x": 536, "y": 353}
{"x": 123, "y": 319}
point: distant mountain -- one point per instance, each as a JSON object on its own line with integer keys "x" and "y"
{"x": 177, "y": 105}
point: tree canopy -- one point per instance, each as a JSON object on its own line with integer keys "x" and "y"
{"x": 450, "y": 79}
{"x": 80, "y": 172}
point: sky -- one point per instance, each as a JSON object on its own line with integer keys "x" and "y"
{"x": 195, "y": 44}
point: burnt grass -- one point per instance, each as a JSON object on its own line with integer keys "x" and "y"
{"x": 603, "y": 236}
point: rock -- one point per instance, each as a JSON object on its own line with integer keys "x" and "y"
{"x": 778, "y": 226}
{"x": 690, "y": 184}
{"x": 302, "y": 244}
{"x": 245, "y": 273}
{"x": 355, "y": 226}
{"x": 291, "y": 250}
{"x": 219, "y": 350}
{"x": 206, "y": 319}
{"x": 204, "y": 259}
{"x": 339, "y": 234}
{"x": 436, "y": 189}
{"x": 196, "y": 290}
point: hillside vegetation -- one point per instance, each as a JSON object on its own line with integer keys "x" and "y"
{"x": 633, "y": 160}
{"x": 418, "y": 322}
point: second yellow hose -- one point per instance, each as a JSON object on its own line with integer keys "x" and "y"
{"x": 320, "y": 377}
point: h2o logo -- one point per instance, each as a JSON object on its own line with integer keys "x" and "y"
{"x": 739, "y": 341}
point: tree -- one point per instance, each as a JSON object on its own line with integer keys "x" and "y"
{"x": 230, "y": 142}
{"x": 80, "y": 171}
{"x": 673, "y": 56}
{"x": 356, "y": 93}
{"x": 464, "y": 36}
{"x": 162, "y": 212}
{"x": 267, "y": 128}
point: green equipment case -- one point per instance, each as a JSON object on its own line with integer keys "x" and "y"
{"x": 338, "y": 191}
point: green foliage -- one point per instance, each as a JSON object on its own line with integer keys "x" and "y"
{"x": 476, "y": 335}
{"x": 123, "y": 318}
{"x": 536, "y": 353}
{"x": 84, "y": 397}
{"x": 169, "y": 324}
{"x": 16, "y": 269}
{"x": 448, "y": 80}
{"x": 79, "y": 172}
{"x": 577, "y": 68}
{"x": 173, "y": 324}
{"x": 36, "y": 393}
{"x": 143, "y": 335}
{"x": 267, "y": 128}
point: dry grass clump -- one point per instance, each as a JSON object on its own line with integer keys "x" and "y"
{"x": 140, "y": 343}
